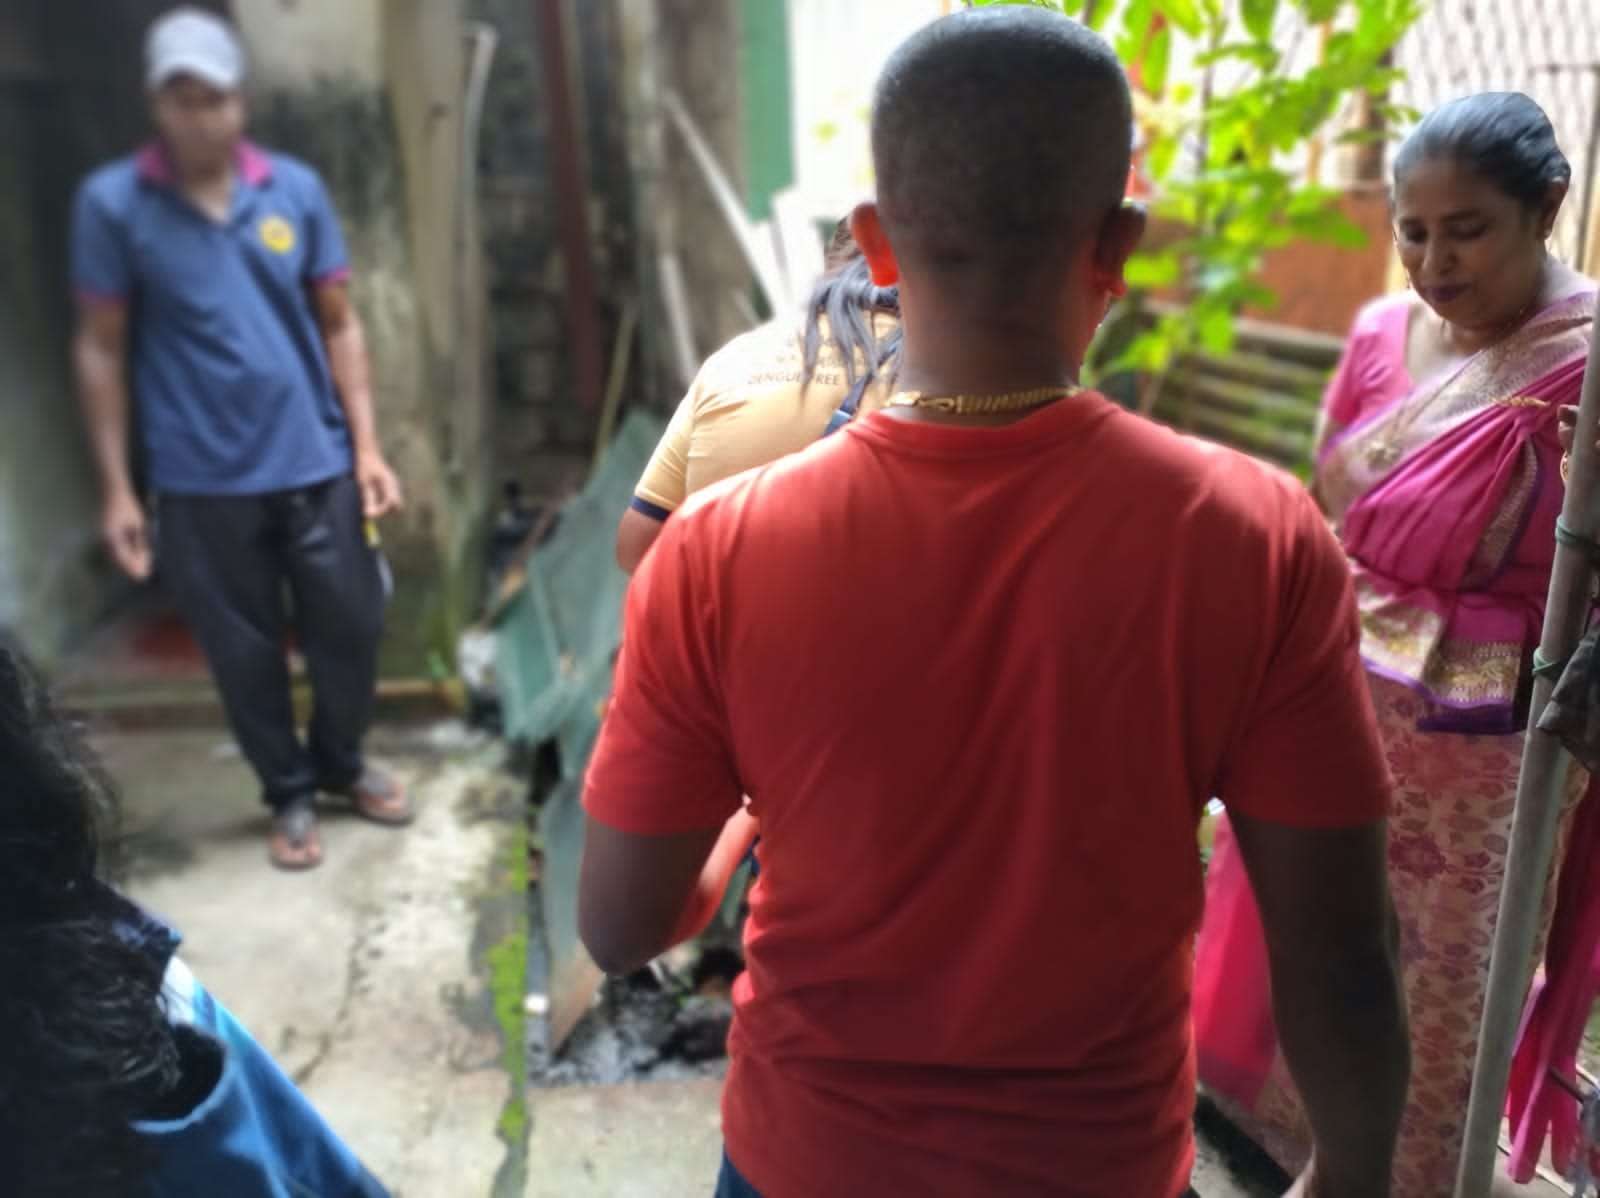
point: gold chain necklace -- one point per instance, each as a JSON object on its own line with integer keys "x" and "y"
{"x": 1386, "y": 451}
{"x": 968, "y": 405}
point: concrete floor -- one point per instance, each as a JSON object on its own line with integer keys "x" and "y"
{"x": 359, "y": 977}
{"x": 663, "y": 1140}
{"x": 364, "y": 977}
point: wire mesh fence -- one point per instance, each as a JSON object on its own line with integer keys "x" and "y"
{"x": 1549, "y": 49}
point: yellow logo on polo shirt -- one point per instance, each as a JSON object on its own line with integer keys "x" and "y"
{"x": 277, "y": 234}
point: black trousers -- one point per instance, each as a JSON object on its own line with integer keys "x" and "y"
{"x": 239, "y": 567}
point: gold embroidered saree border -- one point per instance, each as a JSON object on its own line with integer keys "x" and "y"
{"x": 1408, "y": 643}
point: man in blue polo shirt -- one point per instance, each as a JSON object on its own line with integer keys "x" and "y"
{"x": 212, "y": 274}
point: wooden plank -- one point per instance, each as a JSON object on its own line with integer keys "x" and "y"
{"x": 726, "y": 198}
{"x": 769, "y": 262}
{"x": 1230, "y": 395}
{"x": 680, "y": 326}
{"x": 1261, "y": 368}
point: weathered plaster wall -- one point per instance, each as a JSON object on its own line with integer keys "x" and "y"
{"x": 67, "y": 102}
{"x": 544, "y": 434}
{"x": 52, "y": 580}
{"x": 368, "y": 91}
{"x": 692, "y": 50}
{"x": 699, "y": 44}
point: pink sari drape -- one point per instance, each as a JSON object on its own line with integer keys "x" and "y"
{"x": 1540, "y": 1101}
{"x": 1435, "y": 496}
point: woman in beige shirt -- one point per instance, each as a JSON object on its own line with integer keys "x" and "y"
{"x": 770, "y": 392}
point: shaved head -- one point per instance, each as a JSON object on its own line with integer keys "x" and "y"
{"x": 998, "y": 133}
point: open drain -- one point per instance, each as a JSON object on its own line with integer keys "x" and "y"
{"x": 665, "y": 1023}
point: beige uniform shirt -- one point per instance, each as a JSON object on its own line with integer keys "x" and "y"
{"x": 746, "y": 408}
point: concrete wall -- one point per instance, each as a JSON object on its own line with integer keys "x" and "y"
{"x": 67, "y": 102}
{"x": 52, "y": 579}
{"x": 699, "y": 44}
{"x": 369, "y": 91}
{"x": 544, "y": 433}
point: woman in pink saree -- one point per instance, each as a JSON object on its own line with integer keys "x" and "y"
{"x": 1440, "y": 465}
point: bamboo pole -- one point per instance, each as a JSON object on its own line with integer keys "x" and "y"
{"x": 1533, "y": 829}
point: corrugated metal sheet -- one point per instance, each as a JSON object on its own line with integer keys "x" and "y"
{"x": 557, "y": 639}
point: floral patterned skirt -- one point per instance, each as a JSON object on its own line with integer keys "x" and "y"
{"x": 1447, "y": 854}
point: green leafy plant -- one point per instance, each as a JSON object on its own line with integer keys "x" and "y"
{"x": 1221, "y": 146}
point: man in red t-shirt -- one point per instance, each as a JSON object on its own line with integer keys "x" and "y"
{"x": 978, "y": 662}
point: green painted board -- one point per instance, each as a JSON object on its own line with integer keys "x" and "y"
{"x": 768, "y": 99}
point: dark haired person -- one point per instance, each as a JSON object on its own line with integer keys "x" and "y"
{"x": 120, "y": 1075}
{"x": 979, "y": 660}
{"x": 1439, "y": 460}
{"x": 214, "y": 301}
{"x": 770, "y": 392}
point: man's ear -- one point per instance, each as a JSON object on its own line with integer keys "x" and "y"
{"x": 866, "y": 226}
{"x": 1120, "y": 234}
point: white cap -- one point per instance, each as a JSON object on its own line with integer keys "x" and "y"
{"x": 190, "y": 41}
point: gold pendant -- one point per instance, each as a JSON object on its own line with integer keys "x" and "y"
{"x": 1383, "y": 454}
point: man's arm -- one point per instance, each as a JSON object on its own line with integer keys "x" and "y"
{"x": 640, "y": 895}
{"x": 666, "y": 828}
{"x": 1308, "y": 791}
{"x": 662, "y": 487}
{"x": 346, "y": 344}
{"x": 1333, "y": 951}
{"x": 635, "y": 535}
{"x": 100, "y": 362}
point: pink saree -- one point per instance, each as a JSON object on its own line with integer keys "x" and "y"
{"x": 1445, "y": 496}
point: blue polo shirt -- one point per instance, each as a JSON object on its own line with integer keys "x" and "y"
{"x": 230, "y": 375}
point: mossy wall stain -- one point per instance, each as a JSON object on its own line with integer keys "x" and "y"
{"x": 347, "y": 133}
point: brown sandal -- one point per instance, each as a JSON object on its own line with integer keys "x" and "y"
{"x": 381, "y": 798}
{"x": 296, "y": 843}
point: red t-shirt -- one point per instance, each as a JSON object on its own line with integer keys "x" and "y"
{"x": 978, "y": 684}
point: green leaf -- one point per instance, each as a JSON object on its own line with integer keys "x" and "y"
{"x": 1258, "y": 18}
{"x": 1214, "y": 327}
{"x": 1152, "y": 272}
{"x": 1096, "y": 12}
{"x": 1161, "y": 156}
{"x": 1152, "y": 351}
{"x": 1134, "y": 35}
{"x": 1261, "y": 55}
{"x": 1185, "y": 14}
{"x": 1257, "y": 295}
{"x": 1157, "y": 57}
{"x": 1361, "y": 137}
{"x": 1329, "y": 225}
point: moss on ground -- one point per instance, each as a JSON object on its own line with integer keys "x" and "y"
{"x": 507, "y": 962}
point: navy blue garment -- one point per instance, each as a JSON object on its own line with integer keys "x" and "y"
{"x": 230, "y": 374}
{"x": 731, "y": 1184}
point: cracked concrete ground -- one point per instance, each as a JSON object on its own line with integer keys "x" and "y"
{"x": 359, "y": 977}
{"x": 663, "y": 1140}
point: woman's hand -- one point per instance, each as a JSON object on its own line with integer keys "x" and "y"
{"x": 1567, "y": 431}
{"x": 1567, "y": 426}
